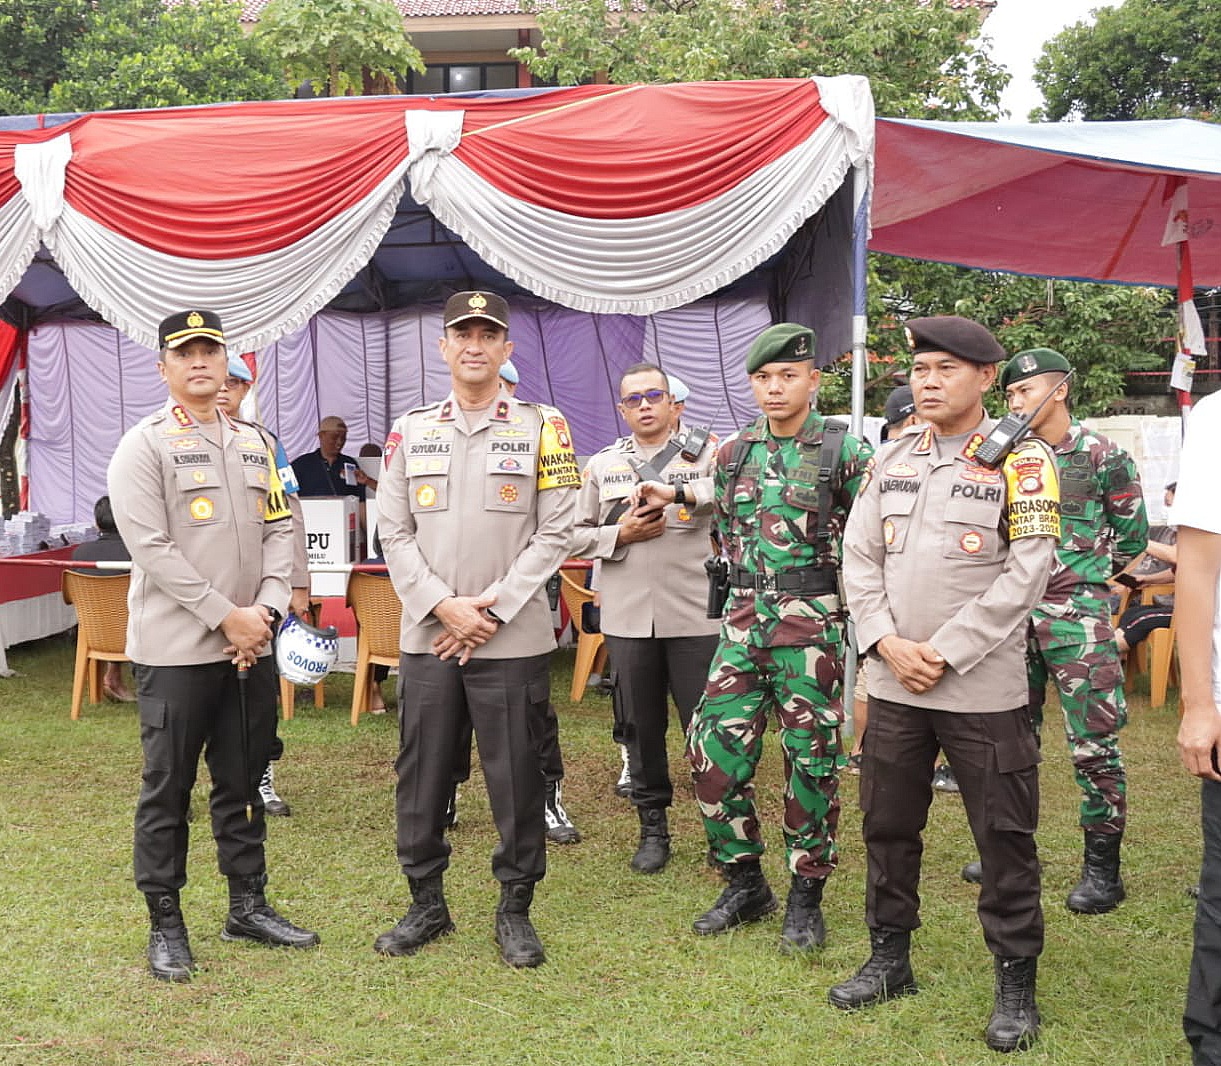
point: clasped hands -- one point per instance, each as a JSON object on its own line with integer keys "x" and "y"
{"x": 467, "y": 625}
{"x": 917, "y": 664}
{"x": 248, "y": 630}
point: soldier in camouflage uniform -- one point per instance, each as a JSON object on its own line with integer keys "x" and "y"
{"x": 1103, "y": 527}
{"x": 781, "y": 643}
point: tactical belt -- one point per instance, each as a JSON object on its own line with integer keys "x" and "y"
{"x": 809, "y": 581}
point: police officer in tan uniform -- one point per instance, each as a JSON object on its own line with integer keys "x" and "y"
{"x": 653, "y": 586}
{"x": 476, "y": 506}
{"x": 198, "y": 501}
{"x": 944, "y": 558}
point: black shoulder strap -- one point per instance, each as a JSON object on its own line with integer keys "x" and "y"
{"x": 649, "y": 470}
{"x": 829, "y": 458}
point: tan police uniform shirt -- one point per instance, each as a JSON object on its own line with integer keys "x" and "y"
{"x": 653, "y": 588}
{"x": 466, "y": 510}
{"x": 207, "y": 532}
{"x": 941, "y": 549}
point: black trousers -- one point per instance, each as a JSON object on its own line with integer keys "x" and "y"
{"x": 186, "y": 710}
{"x": 995, "y": 758}
{"x": 1202, "y": 1017}
{"x": 550, "y": 759}
{"x": 505, "y": 701}
{"x": 645, "y": 672}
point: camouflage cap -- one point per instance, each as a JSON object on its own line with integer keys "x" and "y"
{"x": 465, "y": 305}
{"x": 785, "y": 342}
{"x": 1031, "y": 362}
{"x": 959, "y": 336}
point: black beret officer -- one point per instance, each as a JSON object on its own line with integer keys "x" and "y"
{"x": 954, "y": 334}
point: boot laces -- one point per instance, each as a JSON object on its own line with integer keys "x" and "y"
{"x": 1014, "y": 989}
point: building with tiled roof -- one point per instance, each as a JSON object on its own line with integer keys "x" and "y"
{"x": 465, "y": 43}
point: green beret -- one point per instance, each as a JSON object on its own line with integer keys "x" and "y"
{"x": 785, "y": 342}
{"x": 961, "y": 337}
{"x": 1031, "y": 362}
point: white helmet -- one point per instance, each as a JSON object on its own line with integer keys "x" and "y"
{"x": 305, "y": 654}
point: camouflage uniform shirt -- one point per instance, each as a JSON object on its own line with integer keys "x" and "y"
{"x": 768, "y": 523}
{"x": 1103, "y": 527}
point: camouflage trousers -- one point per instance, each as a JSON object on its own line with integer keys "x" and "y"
{"x": 1089, "y": 678}
{"x": 802, "y": 685}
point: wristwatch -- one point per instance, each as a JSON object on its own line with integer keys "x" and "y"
{"x": 680, "y": 493}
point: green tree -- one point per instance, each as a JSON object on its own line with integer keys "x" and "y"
{"x": 336, "y": 44}
{"x": 145, "y": 53}
{"x": 1104, "y": 331}
{"x": 913, "y": 51}
{"x": 34, "y": 37}
{"x": 1142, "y": 59}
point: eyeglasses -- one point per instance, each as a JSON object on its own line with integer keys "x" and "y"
{"x": 233, "y": 383}
{"x": 634, "y": 399}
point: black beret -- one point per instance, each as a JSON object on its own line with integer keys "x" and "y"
{"x": 179, "y": 328}
{"x": 959, "y": 336}
{"x": 785, "y": 342}
{"x": 465, "y": 305}
{"x": 1031, "y": 362}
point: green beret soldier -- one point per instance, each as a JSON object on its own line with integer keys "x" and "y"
{"x": 781, "y": 644}
{"x": 1103, "y": 527}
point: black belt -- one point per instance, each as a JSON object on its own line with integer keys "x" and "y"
{"x": 810, "y": 581}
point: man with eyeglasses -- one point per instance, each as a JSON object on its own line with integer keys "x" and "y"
{"x": 652, "y": 586}
{"x": 784, "y": 486}
{"x": 199, "y": 503}
{"x": 327, "y": 471}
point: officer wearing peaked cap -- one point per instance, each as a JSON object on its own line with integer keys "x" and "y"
{"x": 944, "y": 558}
{"x": 198, "y": 502}
{"x": 781, "y": 524}
{"x": 476, "y": 507}
{"x": 1103, "y": 527}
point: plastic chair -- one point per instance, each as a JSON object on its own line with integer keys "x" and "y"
{"x": 379, "y": 617}
{"x": 101, "y": 632}
{"x": 288, "y": 691}
{"x": 591, "y": 647}
{"x": 1155, "y": 654}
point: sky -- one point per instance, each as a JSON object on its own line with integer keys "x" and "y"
{"x": 1019, "y": 29}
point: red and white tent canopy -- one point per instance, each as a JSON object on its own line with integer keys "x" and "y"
{"x": 606, "y": 199}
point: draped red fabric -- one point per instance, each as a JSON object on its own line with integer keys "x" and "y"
{"x": 659, "y": 148}
{"x": 9, "y": 336}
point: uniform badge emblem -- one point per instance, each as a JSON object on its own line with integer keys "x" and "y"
{"x": 477, "y": 302}
{"x": 684, "y": 515}
{"x": 901, "y": 470}
{"x": 184, "y": 444}
{"x": 1029, "y": 474}
{"x": 971, "y": 542}
{"x": 509, "y": 465}
{"x": 200, "y": 477}
{"x": 888, "y": 531}
{"x": 180, "y": 415}
{"x": 508, "y": 493}
{"x": 260, "y": 506}
{"x": 426, "y": 496}
{"x": 195, "y": 320}
{"x": 201, "y": 508}
{"x": 1027, "y": 364}
{"x": 392, "y": 445}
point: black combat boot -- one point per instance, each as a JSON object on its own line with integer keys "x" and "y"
{"x": 1101, "y": 888}
{"x": 169, "y": 950}
{"x": 803, "y": 925}
{"x": 519, "y": 944}
{"x": 747, "y": 898}
{"x": 973, "y": 872}
{"x": 887, "y": 972}
{"x": 251, "y": 918}
{"x": 426, "y": 919}
{"x": 1015, "y": 1018}
{"x": 654, "y": 850}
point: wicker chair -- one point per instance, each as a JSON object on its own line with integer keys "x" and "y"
{"x": 101, "y": 633}
{"x": 591, "y": 647}
{"x": 379, "y": 615}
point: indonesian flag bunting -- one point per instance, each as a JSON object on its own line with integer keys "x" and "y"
{"x": 612, "y": 199}
{"x": 1190, "y": 333}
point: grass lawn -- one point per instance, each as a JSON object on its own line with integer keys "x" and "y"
{"x": 626, "y": 981}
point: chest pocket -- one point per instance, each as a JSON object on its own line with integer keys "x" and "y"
{"x": 1079, "y": 502}
{"x": 896, "y": 510}
{"x": 509, "y": 480}
{"x": 191, "y": 479}
{"x": 428, "y": 493}
{"x": 971, "y": 528}
{"x": 745, "y": 502}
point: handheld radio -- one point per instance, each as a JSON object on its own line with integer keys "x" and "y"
{"x": 1009, "y": 431}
